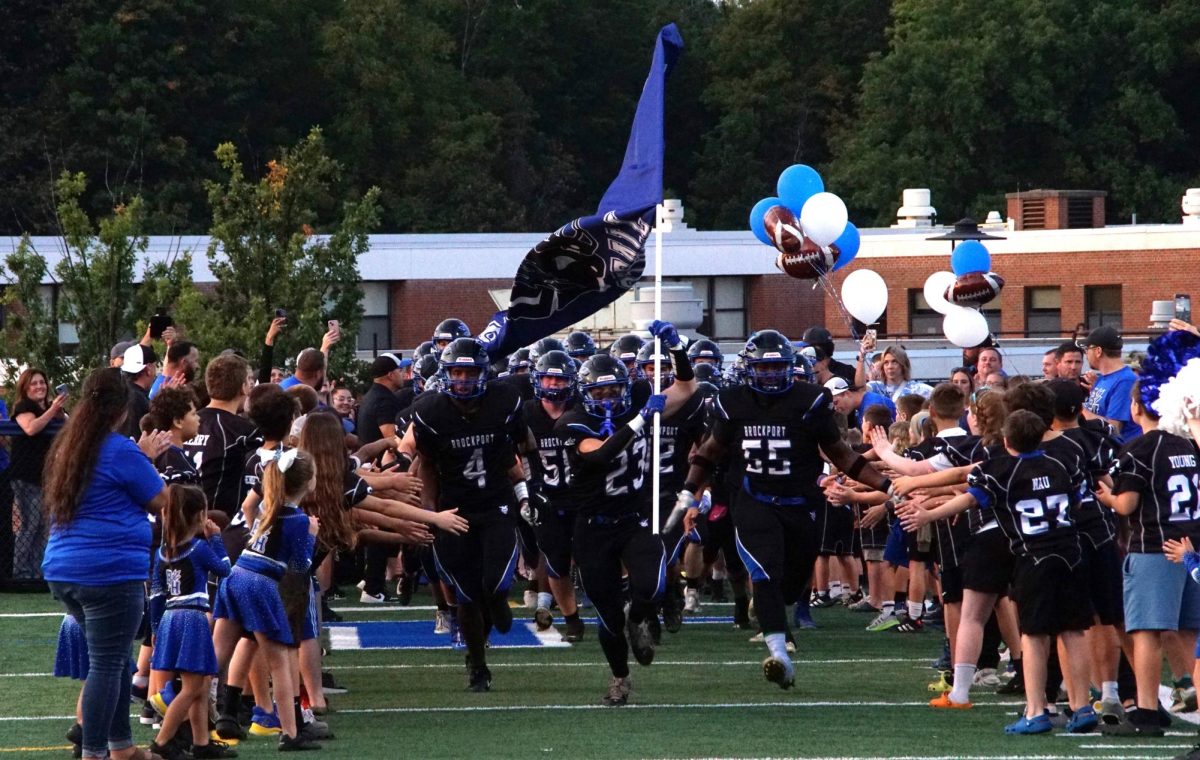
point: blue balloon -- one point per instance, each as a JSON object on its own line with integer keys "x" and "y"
{"x": 797, "y": 184}
{"x": 970, "y": 256}
{"x": 756, "y": 218}
{"x": 847, "y": 245}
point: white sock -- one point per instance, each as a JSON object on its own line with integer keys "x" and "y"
{"x": 835, "y": 588}
{"x": 915, "y": 610}
{"x": 964, "y": 675}
{"x": 777, "y": 645}
{"x": 545, "y": 599}
{"x": 719, "y": 575}
{"x": 1108, "y": 692}
{"x": 141, "y": 680}
{"x": 888, "y": 607}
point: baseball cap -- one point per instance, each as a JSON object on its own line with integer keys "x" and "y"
{"x": 1106, "y": 337}
{"x": 817, "y": 334}
{"x": 137, "y": 358}
{"x": 383, "y": 364}
{"x": 837, "y": 385}
{"x": 120, "y": 349}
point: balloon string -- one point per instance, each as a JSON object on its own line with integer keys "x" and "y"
{"x": 827, "y": 284}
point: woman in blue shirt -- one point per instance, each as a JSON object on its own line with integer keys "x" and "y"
{"x": 99, "y": 487}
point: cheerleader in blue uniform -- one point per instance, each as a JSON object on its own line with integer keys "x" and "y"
{"x": 71, "y": 661}
{"x": 191, "y": 550}
{"x": 281, "y": 539}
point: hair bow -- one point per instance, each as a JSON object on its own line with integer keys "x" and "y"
{"x": 282, "y": 459}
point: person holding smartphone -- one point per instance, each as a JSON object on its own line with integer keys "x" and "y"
{"x": 34, "y": 411}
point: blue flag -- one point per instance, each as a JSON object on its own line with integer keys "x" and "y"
{"x": 590, "y": 262}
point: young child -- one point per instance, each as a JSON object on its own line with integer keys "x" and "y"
{"x": 1030, "y": 494}
{"x": 191, "y": 550}
{"x": 281, "y": 539}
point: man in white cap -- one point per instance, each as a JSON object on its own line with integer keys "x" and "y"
{"x": 140, "y": 366}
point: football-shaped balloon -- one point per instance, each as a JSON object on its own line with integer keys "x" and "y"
{"x": 783, "y": 229}
{"x": 975, "y": 288}
{"x": 810, "y": 262}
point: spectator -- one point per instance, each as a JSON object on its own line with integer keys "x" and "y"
{"x": 964, "y": 379}
{"x": 310, "y": 370}
{"x": 1050, "y": 365}
{"x": 907, "y": 406}
{"x": 139, "y": 368}
{"x": 1068, "y": 361}
{"x": 183, "y": 360}
{"x": 342, "y": 401}
{"x": 116, "y": 357}
{"x": 853, "y": 402}
{"x": 33, "y": 413}
{"x": 988, "y": 362}
{"x": 822, "y": 339}
{"x": 278, "y": 375}
{"x": 99, "y": 487}
{"x": 1109, "y": 384}
{"x": 896, "y": 380}
{"x": 379, "y": 406}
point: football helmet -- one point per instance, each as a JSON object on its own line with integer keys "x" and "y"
{"x": 554, "y": 364}
{"x": 769, "y": 359}
{"x": 448, "y": 330}
{"x": 598, "y": 374}
{"x": 544, "y": 346}
{"x": 645, "y": 363}
{"x": 519, "y": 362}
{"x": 626, "y": 348}
{"x": 427, "y": 366}
{"x": 466, "y": 353}
{"x": 704, "y": 351}
{"x": 580, "y": 345}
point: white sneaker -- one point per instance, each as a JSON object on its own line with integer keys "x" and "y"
{"x": 691, "y": 600}
{"x": 757, "y": 638}
{"x": 366, "y": 598}
{"x": 361, "y": 585}
{"x": 441, "y": 622}
{"x": 987, "y": 678}
{"x": 530, "y": 600}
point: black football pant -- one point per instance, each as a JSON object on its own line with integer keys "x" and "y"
{"x": 778, "y": 545}
{"x": 479, "y": 565}
{"x": 555, "y": 533}
{"x": 602, "y": 546}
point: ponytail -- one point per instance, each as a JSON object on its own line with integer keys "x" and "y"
{"x": 285, "y": 479}
{"x": 179, "y": 516}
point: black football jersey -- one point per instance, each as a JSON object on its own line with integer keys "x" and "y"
{"x": 1098, "y": 451}
{"x": 776, "y": 439}
{"x": 951, "y": 534}
{"x": 1161, "y": 468}
{"x": 679, "y": 432}
{"x": 219, "y": 452}
{"x": 550, "y": 467}
{"x": 1032, "y": 498}
{"x": 613, "y": 487}
{"x": 175, "y": 466}
{"x": 472, "y": 452}
{"x": 960, "y": 451}
{"x": 522, "y": 384}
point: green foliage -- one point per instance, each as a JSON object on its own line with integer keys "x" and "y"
{"x": 31, "y": 320}
{"x": 96, "y": 272}
{"x": 284, "y": 241}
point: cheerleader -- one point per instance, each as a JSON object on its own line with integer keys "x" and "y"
{"x": 281, "y": 539}
{"x": 191, "y": 549}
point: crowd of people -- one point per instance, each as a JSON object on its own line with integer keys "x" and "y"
{"x": 210, "y": 517}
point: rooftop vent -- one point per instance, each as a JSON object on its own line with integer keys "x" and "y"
{"x": 915, "y": 211}
{"x": 1056, "y": 209}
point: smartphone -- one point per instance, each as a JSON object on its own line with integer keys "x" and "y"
{"x": 160, "y": 321}
{"x": 61, "y": 390}
{"x": 281, "y": 313}
{"x": 1183, "y": 307}
{"x": 872, "y": 333}
{"x": 333, "y": 324}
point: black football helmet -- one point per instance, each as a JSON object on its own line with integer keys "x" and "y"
{"x": 769, "y": 358}
{"x": 704, "y": 351}
{"x": 708, "y": 373}
{"x": 448, "y": 330}
{"x": 464, "y": 353}
{"x": 545, "y": 346}
{"x": 425, "y": 349}
{"x": 803, "y": 369}
{"x": 554, "y": 364}
{"x": 645, "y": 363}
{"x": 520, "y": 362}
{"x": 580, "y": 345}
{"x": 626, "y": 349}
{"x": 426, "y": 367}
{"x": 597, "y": 376}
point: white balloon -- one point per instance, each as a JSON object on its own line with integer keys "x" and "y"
{"x": 965, "y": 327}
{"x": 824, "y": 218}
{"x": 935, "y": 291}
{"x": 865, "y": 295}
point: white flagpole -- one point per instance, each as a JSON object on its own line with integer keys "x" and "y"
{"x": 656, "y": 469}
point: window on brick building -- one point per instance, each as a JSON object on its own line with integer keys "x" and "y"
{"x": 723, "y": 303}
{"x": 1043, "y": 311}
{"x": 1102, "y": 305}
{"x": 375, "y": 332}
{"x": 922, "y": 320}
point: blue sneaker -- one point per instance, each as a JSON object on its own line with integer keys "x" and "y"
{"x": 802, "y": 618}
{"x": 1083, "y": 720}
{"x": 263, "y": 723}
{"x": 1039, "y": 725}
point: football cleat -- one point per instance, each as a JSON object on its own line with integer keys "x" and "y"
{"x": 574, "y": 629}
{"x": 691, "y": 601}
{"x": 641, "y": 641}
{"x": 618, "y": 692}
{"x": 480, "y": 680}
{"x": 780, "y": 672}
{"x": 441, "y": 622}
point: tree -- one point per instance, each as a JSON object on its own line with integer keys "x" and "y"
{"x": 975, "y": 98}
{"x": 31, "y": 320}
{"x": 284, "y": 241}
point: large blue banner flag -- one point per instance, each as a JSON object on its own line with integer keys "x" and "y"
{"x": 590, "y": 262}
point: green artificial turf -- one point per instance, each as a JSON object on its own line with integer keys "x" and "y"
{"x": 857, "y": 694}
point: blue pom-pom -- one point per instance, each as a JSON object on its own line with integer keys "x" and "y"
{"x": 1165, "y": 356}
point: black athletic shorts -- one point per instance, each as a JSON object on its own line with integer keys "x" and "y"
{"x": 1052, "y": 595}
{"x": 837, "y": 530}
{"x": 554, "y": 540}
{"x": 1105, "y": 581}
{"x": 952, "y": 585}
{"x": 987, "y": 563}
